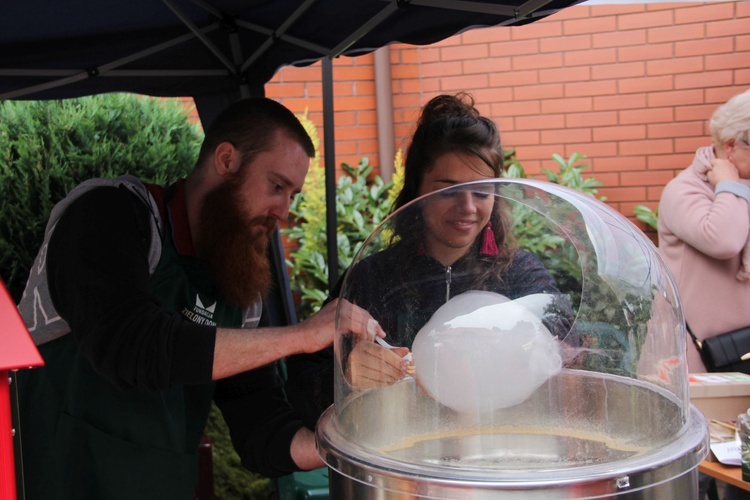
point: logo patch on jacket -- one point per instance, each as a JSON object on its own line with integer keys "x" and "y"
{"x": 200, "y": 313}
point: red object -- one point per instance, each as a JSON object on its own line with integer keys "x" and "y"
{"x": 17, "y": 350}
{"x": 489, "y": 246}
{"x": 7, "y": 466}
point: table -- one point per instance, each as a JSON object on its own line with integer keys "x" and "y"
{"x": 728, "y": 473}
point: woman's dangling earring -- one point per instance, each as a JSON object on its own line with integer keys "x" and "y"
{"x": 489, "y": 245}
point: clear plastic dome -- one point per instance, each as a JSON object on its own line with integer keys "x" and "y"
{"x": 565, "y": 349}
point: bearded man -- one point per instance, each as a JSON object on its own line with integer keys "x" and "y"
{"x": 146, "y": 303}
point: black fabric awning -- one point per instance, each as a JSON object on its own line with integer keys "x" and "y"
{"x": 51, "y": 49}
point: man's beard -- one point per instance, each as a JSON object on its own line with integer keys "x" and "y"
{"x": 231, "y": 246}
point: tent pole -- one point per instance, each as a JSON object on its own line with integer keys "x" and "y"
{"x": 330, "y": 172}
{"x": 384, "y": 110}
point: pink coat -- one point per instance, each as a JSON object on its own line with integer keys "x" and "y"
{"x": 702, "y": 237}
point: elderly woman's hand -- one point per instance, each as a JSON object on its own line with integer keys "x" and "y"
{"x": 723, "y": 170}
{"x": 371, "y": 365}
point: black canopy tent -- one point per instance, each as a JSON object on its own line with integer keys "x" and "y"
{"x": 208, "y": 47}
{"x": 217, "y": 51}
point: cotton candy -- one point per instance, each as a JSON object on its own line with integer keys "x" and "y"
{"x": 481, "y": 351}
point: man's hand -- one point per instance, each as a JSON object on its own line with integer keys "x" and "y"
{"x": 239, "y": 350}
{"x": 353, "y": 320}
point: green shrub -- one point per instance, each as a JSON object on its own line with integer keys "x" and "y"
{"x": 647, "y": 216}
{"x": 361, "y": 204}
{"x": 231, "y": 480}
{"x": 48, "y": 147}
{"x": 571, "y": 174}
{"x": 534, "y": 232}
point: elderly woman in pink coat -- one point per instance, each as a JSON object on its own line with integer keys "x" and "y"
{"x": 704, "y": 224}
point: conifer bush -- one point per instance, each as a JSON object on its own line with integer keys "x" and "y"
{"x": 48, "y": 147}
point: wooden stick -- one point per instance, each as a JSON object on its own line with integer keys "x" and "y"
{"x": 724, "y": 424}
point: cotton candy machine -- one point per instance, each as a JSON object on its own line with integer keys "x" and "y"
{"x": 519, "y": 390}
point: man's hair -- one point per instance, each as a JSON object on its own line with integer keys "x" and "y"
{"x": 250, "y": 125}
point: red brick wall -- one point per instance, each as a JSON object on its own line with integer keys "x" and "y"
{"x": 630, "y": 86}
{"x": 301, "y": 89}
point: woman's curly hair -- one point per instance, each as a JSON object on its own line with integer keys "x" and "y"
{"x": 451, "y": 124}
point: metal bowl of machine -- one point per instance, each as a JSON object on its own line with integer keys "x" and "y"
{"x": 581, "y": 435}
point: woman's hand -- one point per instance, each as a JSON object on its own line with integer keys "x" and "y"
{"x": 370, "y": 365}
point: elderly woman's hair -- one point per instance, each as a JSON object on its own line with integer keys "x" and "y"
{"x": 731, "y": 120}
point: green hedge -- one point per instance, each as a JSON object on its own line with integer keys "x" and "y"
{"x": 48, "y": 147}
